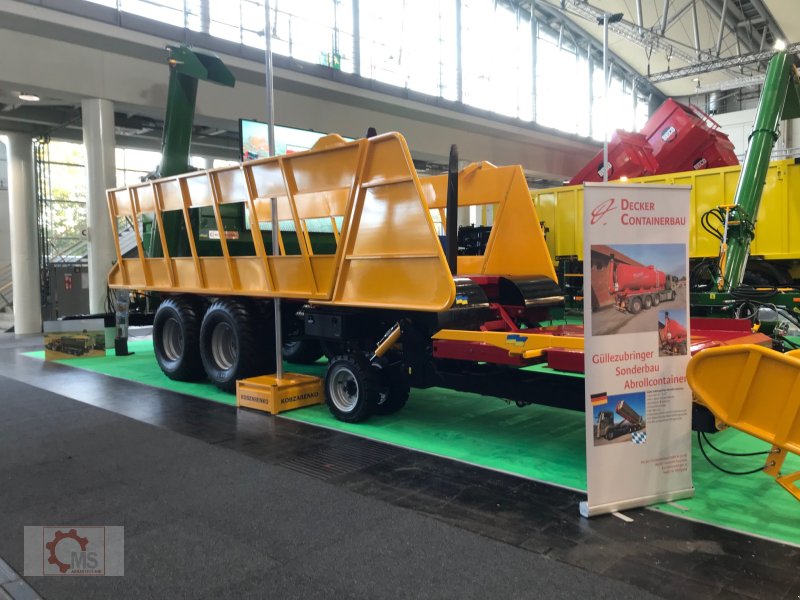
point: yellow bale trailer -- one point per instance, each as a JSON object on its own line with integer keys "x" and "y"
{"x": 360, "y": 270}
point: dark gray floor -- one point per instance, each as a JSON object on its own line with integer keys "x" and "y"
{"x": 656, "y": 553}
{"x": 207, "y": 522}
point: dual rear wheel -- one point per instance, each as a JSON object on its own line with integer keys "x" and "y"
{"x": 234, "y": 339}
{"x": 230, "y": 340}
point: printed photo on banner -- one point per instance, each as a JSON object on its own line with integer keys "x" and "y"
{"x": 672, "y": 337}
{"x": 619, "y": 418}
{"x": 629, "y": 280}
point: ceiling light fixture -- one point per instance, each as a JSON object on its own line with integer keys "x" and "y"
{"x": 780, "y": 45}
{"x": 29, "y": 97}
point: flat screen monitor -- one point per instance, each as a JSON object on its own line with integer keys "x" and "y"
{"x": 254, "y": 139}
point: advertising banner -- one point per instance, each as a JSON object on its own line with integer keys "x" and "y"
{"x": 636, "y": 325}
{"x": 79, "y": 338}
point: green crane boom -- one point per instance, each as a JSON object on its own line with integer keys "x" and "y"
{"x": 186, "y": 67}
{"x": 780, "y": 99}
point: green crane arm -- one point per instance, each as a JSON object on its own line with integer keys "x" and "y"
{"x": 780, "y": 99}
{"x": 186, "y": 67}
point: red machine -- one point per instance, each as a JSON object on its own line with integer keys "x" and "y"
{"x": 684, "y": 138}
{"x": 676, "y": 138}
{"x": 637, "y": 287}
{"x": 629, "y": 155}
{"x": 671, "y": 336}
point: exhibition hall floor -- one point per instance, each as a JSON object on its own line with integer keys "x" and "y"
{"x": 536, "y": 442}
{"x": 493, "y": 496}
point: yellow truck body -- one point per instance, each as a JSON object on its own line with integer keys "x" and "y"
{"x": 777, "y": 231}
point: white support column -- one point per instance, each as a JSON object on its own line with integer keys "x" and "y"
{"x": 24, "y": 235}
{"x": 98, "y": 137}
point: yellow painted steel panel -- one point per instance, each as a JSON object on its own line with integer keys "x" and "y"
{"x": 516, "y": 243}
{"x": 251, "y": 273}
{"x": 171, "y": 195}
{"x": 115, "y": 276}
{"x": 122, "y": 202}
{"x": 388, "y": 161}
{"x": 469, "y": 265}
{"x": 326, "y": 170}
{"x": 476, "y": 183}
{"x": 391, "y": 222}
{"x": 380, "y": 283}
{"x": 751, "y": 388}
{"x": 216, "y": 272}
{"x": 264, "y": 209}
{"x": 291, "y": 277}
{"x": 185, "y": 274}
{"x": 133, "y": 267}
{"x": 147, "y": 200}
{"x": 159, "y": 273}
{"x": 793, "y": 209}
{"x": 268, "y": 178}
{"x": 545, "y": 205}
{"x": 772, "y": 235}
{"x": 568, "y": 229}
{"x": 199, "y": 189}
{"x": 232, "y": 186}
{"x": 324, "y": 269}
{"x": 316, "y": 205}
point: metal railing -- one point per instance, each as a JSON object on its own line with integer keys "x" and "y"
{"x": 6, "y": 288}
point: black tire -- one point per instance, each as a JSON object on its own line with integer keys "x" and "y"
{"x": 635, "y": 305}
{"x": 176, "y": 334}
{"x": 610, "y": 435}
{"x": 236, "y": 341}
{"x": 394, "y": 392}
{"x": 302, "y": 352}
{"x": 647, "y": 301}
{"x": 656, "y": 298}
{"x": 352, "y": 389}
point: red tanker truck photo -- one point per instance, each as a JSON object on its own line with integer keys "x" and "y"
{"x": 636, "y": 287}
{"x": 672, "y": 336}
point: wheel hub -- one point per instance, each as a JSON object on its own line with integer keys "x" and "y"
{"x": 344, "y": 389}
{"x": 172, "y": 339}
{"x": 223, "y": 346}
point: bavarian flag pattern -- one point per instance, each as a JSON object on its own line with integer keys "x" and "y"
{"x": 639, "y": 437}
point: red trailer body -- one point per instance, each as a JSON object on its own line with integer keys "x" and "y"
{"x": 629, "y": 155}
{"x": 684, "y": 138}
{"x": 718, "y": 152}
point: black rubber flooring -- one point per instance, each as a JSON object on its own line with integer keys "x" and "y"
{"x": 224, "y": 503}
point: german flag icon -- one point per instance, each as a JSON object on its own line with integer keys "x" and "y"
{"x": 598, "y": 399}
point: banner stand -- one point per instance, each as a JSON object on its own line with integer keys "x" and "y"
{"x": 602, "y": 509}
{"x": 636, "y": 346}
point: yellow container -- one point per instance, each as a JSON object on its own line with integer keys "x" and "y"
{"x": 777, "y": 229}
{"x": 268, "y": 394}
